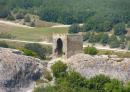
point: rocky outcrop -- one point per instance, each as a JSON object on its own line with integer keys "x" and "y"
{"x": 18, "y": 72}
{"x": 111, "y": 66}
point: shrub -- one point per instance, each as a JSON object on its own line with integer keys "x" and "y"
{"x": 47, "y": 75}
{"x": 42, "y": 51}
{"x": 90, "y": 50}
{"x": 59, "y": 69}
{"x": 114, "y": 86}
{"x": 98, "y": 82}
{"x": 3, "y": 44}
{"x": 29, "y": 52}
{"x": 76, "y": 80}
{"x": 10, "y": 17}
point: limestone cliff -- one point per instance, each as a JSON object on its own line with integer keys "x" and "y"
{"x": 112, "y": 66}
{"x": 17, "y": 71}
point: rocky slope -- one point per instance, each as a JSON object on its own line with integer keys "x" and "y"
{"x": 112, "y": 66}
{"x": 18, "y": 72}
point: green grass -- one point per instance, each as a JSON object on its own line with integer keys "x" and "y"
{"x": 36, "y": 34}
{"x": 121, "y": 54}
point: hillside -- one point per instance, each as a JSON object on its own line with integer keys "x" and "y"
{"x": 68, "y": 11}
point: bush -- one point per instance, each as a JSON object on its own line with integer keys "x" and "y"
{"x": 4, "y": 44}
{"x": 90, "y": 50}
{"x": 98, "y": 82}
{"x": 76, "y": 80}
{"x": 42, "y": 51}
{"x": 47, "y": 75}
{"x": 59, "y": 69}
{"x": 10, "y": 17}
{"x": 114, "y": 86}
{"x": 29, "y": 52}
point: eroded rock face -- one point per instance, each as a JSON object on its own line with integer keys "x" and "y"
{"x": 17, "y": 71}
{"x": 111, "y": 66}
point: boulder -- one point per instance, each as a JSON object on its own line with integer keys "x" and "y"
{"x": 90, "y": 66}
{"x": 18, "y": 72}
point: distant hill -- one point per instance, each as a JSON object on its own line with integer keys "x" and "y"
{"x": 68, "y": 11}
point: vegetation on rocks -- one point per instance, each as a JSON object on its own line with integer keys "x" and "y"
{"x": 74, "y": 82}
{"x": 59, "y": 69}
{"x": 41, "y": 51}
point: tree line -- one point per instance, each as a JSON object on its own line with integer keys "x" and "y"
{"x": 101, "y": 12}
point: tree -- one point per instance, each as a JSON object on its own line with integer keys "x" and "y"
{"x": 104, "y": 39}
{"x": 86, "y": 28}
{"x": 119, "y": 29}
{"x": 128, "y": 24}
{"x": 74, "y": 28}
{"x": 114, "y": 42}
{"x": 20, "y": 15}
{"x": 93, "y": 38}
{"x": 4, "y": 11}
{"x": 27, "y": 18}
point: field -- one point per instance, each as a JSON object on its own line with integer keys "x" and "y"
{"x": 32, "y": 34}
{"x": 36, "y": 34}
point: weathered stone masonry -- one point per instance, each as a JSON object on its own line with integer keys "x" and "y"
{"x": 70, "y": 44}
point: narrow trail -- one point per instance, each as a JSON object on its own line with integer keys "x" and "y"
{"x": 22, "y": 41}
{"x": 5, "y": 22}
{"x": 100, "y": 47}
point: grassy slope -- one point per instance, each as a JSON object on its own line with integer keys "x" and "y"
{"x": 36, "y": 34}
{"x": 31, "y": 34}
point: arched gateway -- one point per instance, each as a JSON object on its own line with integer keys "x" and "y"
{"x": 66, "y": 45}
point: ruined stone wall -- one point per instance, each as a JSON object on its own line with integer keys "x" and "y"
{"x": 74, "y": 45}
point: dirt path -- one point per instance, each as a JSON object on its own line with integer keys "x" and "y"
{"x": 66, "y": 26}
{"x": 4, "y": 22}
{"x": 100, "y": 47}
{"x": 44, "y": 42}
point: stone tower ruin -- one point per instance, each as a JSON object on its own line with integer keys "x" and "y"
{"x": 66, "y": 45}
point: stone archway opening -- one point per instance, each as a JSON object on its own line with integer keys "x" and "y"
{"x": 59, "y": 47}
